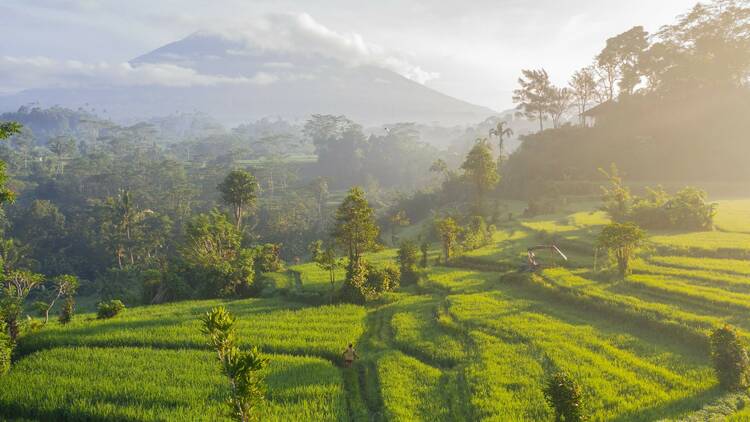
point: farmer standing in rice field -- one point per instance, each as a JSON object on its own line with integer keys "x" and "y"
{"x": 349, "y": 355}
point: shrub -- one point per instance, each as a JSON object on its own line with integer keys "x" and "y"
{"x": 730, "y": 358}
{"x": 67, "y": 311}
{"x": 268, "y": 259}
{"x": 243, "y": 368}
{"x": 110, "y": 309}
{"x": 366, "y": 282}
{"x": 384, "y": 278}
{"x": 407, "y": 260}
{"x": 564, "y": 396}
{"x": 477, "y": 233}
{"x": 621, "y": 240}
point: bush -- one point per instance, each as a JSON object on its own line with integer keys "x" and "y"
{"x": 477, "y": 233}
{"x": 268, "y": 259}
{"x": 407, "y": 260}
{"x": 67, "y": 310}
{"x": 110, "y": 309}
{"x": 383, "y": 279}
{"x": 564, "y": 395}
{"x": 730, "y": 358}
{"x": 365, "y": 282}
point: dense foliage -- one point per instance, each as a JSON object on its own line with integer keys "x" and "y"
{"x": 730, "y": 358}
{"x": 565, "y": 397}
{"x": 109, "y": 309}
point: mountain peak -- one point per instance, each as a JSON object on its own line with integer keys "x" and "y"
{"x": 245, "y": 78}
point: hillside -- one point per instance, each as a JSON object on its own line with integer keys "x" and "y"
{"x": 471, "y": 341}
{"x": 268, "y": 83}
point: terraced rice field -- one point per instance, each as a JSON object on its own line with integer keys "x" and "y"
{"x": 473, "y": 341}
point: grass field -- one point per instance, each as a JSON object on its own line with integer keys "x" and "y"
{"x": 473, "y": 341}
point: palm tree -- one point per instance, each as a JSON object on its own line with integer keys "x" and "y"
{"x": 501, "y": 131}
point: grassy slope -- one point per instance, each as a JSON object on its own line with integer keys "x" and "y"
{"x": 462, "y": 345}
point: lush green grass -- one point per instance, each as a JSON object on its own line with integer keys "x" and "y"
{"x": 617, "y": 381}
{"x": 155, "y": 385}
{"x": 733, "y": 266}
{"x": 411, "y": 390}
{"x": 709, "y": 241}
{"x": 733, "y": 215}
{"x": 272, "y": 324}
{"x": 462, "y": 344}
{"x": 417, "y": 331}
{"x": 709, "y": 278}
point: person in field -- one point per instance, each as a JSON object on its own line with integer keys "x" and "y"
{"x": 349, "y": 355}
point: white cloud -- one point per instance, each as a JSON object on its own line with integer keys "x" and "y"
{"x": 301, "y": 34}
{"x": 18, "y": 73}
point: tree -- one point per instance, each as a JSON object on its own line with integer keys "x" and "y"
{"x": 63, "y": 286}
{"x": 397, "y": 219}
{"x": 326, "y": 260}
{"x": 502, "y": 131}
{"x": 616, "y": 198}
{"x": 424, "y": 247}
{"x": 407, "y": 261}
{"x": 448, "y": 230}
{"x": 621, "y": 240}
{"x": 239, "y": 191}
{"x": 17, "y": 284}
{"x": 583, "y": 89}
{"x": 67, "y": 310}
{"x": 355, "y": 230}
{"x": 216, "y": 264}
{"x": 242, "y": 368}
{"x": 319, "y": 188}
{"x": 565, "y": 397}
{"x": 730, "y": 358}
{"x": 7, "y": 129}
{"x": 620, "y": 60}
{"x": 439, "y": 166}
{"x": 533, "y": 95}
{"x": 62, "y": 147}
{"x": 481, "y": 170}
{"x": 559, "y": 103}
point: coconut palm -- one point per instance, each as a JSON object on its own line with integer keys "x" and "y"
{"x": 501, "y": 131}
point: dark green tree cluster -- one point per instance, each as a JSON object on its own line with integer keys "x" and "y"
{"x": 631, "y": 106}
{"x": 730, "y": 359}
{"x": 688, "y": 209}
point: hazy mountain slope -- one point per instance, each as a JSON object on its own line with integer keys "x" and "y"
{"x": 271, "y": 84}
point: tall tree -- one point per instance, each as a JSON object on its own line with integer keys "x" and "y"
{"x": 16, "y": 286}
{"x": 62, "y": 147}
{"x": 583, "y": 89}
{"x": 448, "y": 230}
{"x": 7, "y": 129}
{"x": 481, "y": 171}
{"x": 239, "y": 190}
{"x": 355, "y": 230}
{"x": 621, "y": 59}
{"x": 559, "y": 103}
{"x": 502, "y": 131}
{"x": 533, "y": 95}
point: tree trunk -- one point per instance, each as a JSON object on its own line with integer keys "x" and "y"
{"x": 541, "y": 122}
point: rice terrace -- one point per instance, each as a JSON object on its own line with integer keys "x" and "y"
{"x": 276, "y": 219}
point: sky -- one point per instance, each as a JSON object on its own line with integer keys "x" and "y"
{"x": 472, "y": 50}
